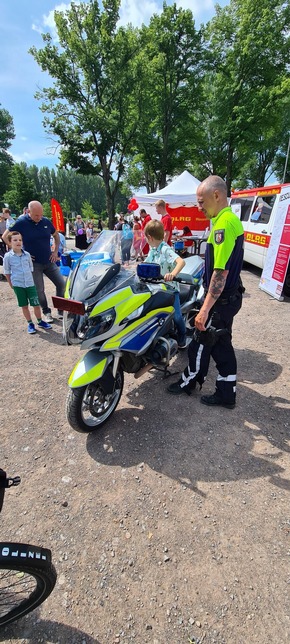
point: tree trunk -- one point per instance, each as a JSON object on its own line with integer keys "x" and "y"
{"x": 110, "y": 200}
{"x": 229, "y": 175}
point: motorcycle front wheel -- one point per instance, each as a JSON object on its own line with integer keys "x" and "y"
{"x": 88, "y": 408}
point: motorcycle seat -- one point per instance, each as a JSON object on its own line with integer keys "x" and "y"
{"x": 186, "y": 292}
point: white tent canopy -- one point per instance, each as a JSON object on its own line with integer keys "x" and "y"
{"x": 180, "y": 192}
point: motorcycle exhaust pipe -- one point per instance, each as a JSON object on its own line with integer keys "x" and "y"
{"x": 143, "y": 370}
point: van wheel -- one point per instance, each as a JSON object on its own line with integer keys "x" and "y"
{"x": 286, "y": 287}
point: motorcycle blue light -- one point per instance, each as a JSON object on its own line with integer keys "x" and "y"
{"x": 148, "y": 271}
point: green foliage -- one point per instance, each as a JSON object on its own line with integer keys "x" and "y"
{"x": 168, "y": 78}
{"x": 87, "y": 210}
{"x": 22, "y": 189}
{"x": 66, "y": 209}
{"x": 6, "y": 136}
{"x": 133, "y": 107}
{"x": 242, "y": 102}
{"x": 89, "y": 107}
{"x": 47, "y": 209}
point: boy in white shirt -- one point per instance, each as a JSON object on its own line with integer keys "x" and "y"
{"x": 18, "y": 267}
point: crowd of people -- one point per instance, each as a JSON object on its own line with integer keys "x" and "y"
{"x": 30, "y": 257}
{"x": 85, "y": 232}
{"x": 134, "y": 244}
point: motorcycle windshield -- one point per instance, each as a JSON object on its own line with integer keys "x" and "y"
{"x": 99, "y": 270}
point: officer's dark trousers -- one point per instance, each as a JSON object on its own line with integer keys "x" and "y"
{"x": 222, "y": 353}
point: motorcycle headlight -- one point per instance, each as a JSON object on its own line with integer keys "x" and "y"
{"x": 100, "y": 324}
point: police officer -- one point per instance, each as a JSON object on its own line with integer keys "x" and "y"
{"x": 223, "y": 299}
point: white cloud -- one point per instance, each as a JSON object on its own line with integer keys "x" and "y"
{"x": 47, "y": 22}
{"x": 137, "y": 12}
{"x": 196, "y": 6}
{"x": 132, "y": 11}
{"x": 41, "y": 150}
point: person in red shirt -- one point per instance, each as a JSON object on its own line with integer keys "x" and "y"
{"x": 166, "y": 220}
{"x": 144, "y": 220}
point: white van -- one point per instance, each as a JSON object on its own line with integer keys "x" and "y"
{"x": 257, "y": 208}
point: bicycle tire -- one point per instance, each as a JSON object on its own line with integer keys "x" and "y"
{"x": 27, "y": 577}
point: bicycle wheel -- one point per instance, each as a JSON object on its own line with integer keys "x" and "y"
{"x": 27, "y": 577}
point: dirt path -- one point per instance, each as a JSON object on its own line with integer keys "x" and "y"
{"x": 172, "y": 524}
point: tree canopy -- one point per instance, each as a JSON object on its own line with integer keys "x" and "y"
{"x": 7, "y": 135}
{"x": 90, "y": 105}
{"x": 132, "y": 107}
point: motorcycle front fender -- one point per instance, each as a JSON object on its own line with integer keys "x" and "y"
{"x": 91, "y": 367}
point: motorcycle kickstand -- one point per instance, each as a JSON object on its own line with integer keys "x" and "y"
{"x": 167, "y": 373}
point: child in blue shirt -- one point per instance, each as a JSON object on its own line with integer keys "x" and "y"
{"x": 18, "y": 267}
{"x": 170, "y": 265}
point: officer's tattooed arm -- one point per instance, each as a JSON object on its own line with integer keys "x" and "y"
{"x": 217, "y": 283}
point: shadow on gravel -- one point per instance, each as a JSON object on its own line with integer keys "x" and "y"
{"x": 42, "y": 630}
{"x": 182, "y": 439}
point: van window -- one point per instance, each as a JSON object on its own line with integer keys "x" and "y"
{"x": 263, "y": 208}
{"x": 242, "y": 206}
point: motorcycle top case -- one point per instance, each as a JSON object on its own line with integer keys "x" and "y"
{"x": 193, "y": 265}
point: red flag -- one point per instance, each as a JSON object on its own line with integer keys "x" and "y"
{"x": 57, "y": 215}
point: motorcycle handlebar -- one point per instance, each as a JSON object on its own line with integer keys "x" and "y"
{"x": 184, "y": 279}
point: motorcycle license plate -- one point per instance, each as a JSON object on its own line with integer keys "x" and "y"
{"x": 64, "y": 304}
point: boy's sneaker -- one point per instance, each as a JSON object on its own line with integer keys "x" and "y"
{"x": 48, "y": 317}
{"x": 44, "y": 325}
{"x": 60, "y": 315}
{"x": 182, "y": 343}
{"x": 31, "y": 328}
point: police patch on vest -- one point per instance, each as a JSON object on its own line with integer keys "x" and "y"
{"x": 219, "y": 236}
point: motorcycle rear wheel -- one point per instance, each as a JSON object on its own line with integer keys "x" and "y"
{"x": 88, "y": 408}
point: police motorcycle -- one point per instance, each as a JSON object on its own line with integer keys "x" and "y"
{"x": 123, "y": 320}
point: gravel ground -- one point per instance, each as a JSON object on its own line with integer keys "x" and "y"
{"x": 170, "y": 525}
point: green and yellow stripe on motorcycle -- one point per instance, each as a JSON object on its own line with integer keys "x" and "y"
{"x": 114, "y": 343}
{"x": 88, "y": 369}
{"x": 67, "y": 285}
{"x": 124, "y": 302}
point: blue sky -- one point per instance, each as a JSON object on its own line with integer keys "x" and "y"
{"x": 21, "y": 25}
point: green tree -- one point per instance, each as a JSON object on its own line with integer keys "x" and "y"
{"x": 33, "y": 174}
{"x": 46, "y": 209}
{"x": 87, "y": 210}
{"x": 168, "y": 72}
{"x": 45, "y": 183}
{"x": 241, "y": 106}
{"x": 7, "y": 134}
{"x": 66, "y": 209}
{"x": 90, "y": 106}
{"x": 21, "y": 189}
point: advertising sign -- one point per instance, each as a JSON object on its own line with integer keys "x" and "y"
{"x": 278, "y": 254}
{"x": 57, "y": 215}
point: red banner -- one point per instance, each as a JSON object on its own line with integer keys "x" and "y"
{"x": 57, "y": 216}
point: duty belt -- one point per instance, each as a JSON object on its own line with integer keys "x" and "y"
{"x": 228, "y": 300}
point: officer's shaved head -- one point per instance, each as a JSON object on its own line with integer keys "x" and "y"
{"x": 212, "y": 183}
